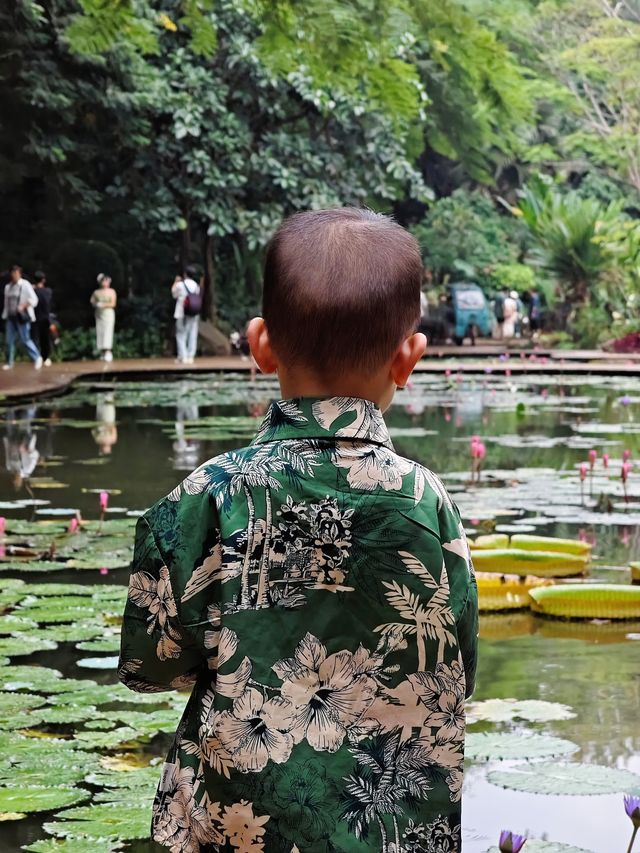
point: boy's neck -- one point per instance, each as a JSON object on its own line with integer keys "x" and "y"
{"x": 377, "y": 388}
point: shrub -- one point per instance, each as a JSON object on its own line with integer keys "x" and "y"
{"x": 464, "y": 236}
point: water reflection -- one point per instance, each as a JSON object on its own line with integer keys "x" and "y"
{"x": 186, "y": 452}
{"x": 20, "y": 445}
{"x": 105, "y": 433}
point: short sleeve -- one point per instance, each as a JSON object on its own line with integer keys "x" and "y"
{"x": 157, "y": 652}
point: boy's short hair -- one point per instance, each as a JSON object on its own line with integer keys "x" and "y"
{"x": 341, "y": 289}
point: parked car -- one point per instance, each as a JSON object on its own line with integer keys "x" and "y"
{"x": 469, "y": 312}
{"x": 463, "y": 312}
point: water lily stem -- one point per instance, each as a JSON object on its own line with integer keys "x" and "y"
{"x": 633, "y": 838}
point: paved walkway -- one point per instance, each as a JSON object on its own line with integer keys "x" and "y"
{"x": 24, "y": 381}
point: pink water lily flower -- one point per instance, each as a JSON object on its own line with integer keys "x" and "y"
{"x": 605, "y": 460}
{"x": 627, "y": 467}
{"x": 593, "y": 455}
{"x": 73, "y": 525}
{"x": 583, "y": 470}
{"x": 104, "y": 501}
{"x": 626, "y": 455}
{"x": 3, "y": 525}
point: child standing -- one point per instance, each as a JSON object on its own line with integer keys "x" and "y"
{"x": 315, "y": 588}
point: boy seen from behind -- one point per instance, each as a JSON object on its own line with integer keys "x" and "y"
{"x": 314, "y": 588}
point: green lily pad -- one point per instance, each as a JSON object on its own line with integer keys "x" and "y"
{"x": 37, "y": 798}
{"x": 11, "y": 624}
{"x": 138, "y": 777}
{"x": 104, "y": 644}
{"x": 84, "y": 844}
{"x": 66, "y": 714}
{"x": 105, "y": 820}
{"x": 98, "y": 663}
{"x": 38, "y": 678}
{"x": 573, "y": 779}
{"x": 25, "y": 645}
{"x": 66, "y": 633}
{"x": 15, "y": 703}
{"x": 506, "y": 710}
{"x": 107, "y": 739}
{"x": 33, "y": 566}
{"x": 492, "y": 746}
{"x": 147, "y": 722}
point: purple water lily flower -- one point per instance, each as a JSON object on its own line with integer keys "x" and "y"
{"x": 632, "y": 808}
{"x": 510, "y": 842}
{"x": 625, "y": 401}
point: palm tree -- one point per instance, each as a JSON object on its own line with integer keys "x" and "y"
{"x": 568, "y": 232}
{"x": 428, "y": 621}
{"x": 255, "y": 469}
{"x": 235, "y": 471}
{"x": 388, "y": 777}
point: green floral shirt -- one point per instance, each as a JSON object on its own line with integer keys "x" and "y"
{"x": 316, "y": 590}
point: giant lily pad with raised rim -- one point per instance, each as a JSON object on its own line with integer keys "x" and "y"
{"x": 575, "y": 779}
{"x": 500, "y": 746}
{"x": 506, "y": 710}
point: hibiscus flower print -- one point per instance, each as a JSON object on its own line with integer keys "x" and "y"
{"x": 372, "y": 467}
{"x": 156, "y": 596}
{"x": 330, "y": 693}
{"x": 256, "y": 730}
{"x": 179, "y": 822}
{"x": 442, "y": 692}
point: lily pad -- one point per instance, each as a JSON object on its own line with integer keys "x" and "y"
{"x": 83, "y": 844}
{"x": 572, "y": 779}
{"x": 38, "y": 798}
{"x": 104, "y": 644}
{"x": 107, "y": 739}
{"x": 20, "y": 646}
{"x": 66, "y": 714}
{"x": 105, "y": 820}
{"x": 98, "y": 663}
{"x": 492, "y": 746}
{"x": 33, "y": 566}
{"x": 534, "y": 845}
{"x": 506, "y": 710}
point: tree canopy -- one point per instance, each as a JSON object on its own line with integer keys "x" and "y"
{"x": 183, "y": 130}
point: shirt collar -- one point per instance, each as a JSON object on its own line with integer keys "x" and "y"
{"x": 330, "y": 418}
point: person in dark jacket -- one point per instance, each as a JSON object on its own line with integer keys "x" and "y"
{"x": 40, "y": 329}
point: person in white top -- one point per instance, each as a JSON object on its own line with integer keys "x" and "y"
{"x": 186, "y": 291}
{"x": 19, "y": 301}
{"x": 510, "y": 311}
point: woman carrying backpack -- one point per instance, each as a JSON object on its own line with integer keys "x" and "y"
{"x": 186, "y": 291}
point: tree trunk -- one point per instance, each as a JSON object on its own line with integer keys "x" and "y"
{"x": 185, "y": 245}
{"x": 262, "y": 592}
{"x": 383, "y": 833}
{"x": 245, "y": 587}
{"x": 209, "y": 308}
{"x": 396, "y": 832}
{"x": 421, "y": 641}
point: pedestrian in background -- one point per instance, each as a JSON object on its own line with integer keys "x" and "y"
{"x": 186, "y": 291}
{"x": 104, "y": 301}
{"x": 18, "y": 313}
{"x": 40, "y": 329}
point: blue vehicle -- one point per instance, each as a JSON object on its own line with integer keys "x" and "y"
{"x": 468, "y": 312}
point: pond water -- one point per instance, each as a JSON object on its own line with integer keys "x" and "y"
{"x": 137, "y": 439}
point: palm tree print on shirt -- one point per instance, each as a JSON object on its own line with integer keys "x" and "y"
{"x": 315, "y": 591}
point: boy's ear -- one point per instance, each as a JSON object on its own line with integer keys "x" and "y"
{"x": 258, "y": 337}
{"x": 408, "y": 355}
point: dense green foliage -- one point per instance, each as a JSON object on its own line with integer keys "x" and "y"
{"x": 143, "y": 135}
